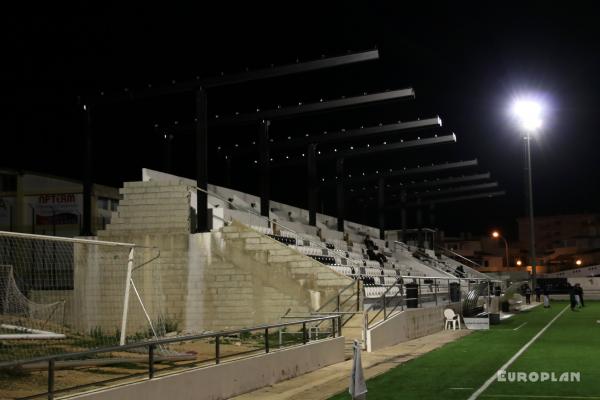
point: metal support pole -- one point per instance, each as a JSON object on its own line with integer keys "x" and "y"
{"x": 217, "y": 349}
{"x": 51, "y": 379}
{"x": 431, "y": 215}
{"x": 531, "y": 218}
{"x": 357, "y": 295}
{"x": 266, "y": 340}
{"x": 86, "y": 230}
{"x": 126, "y": 297}
{"x": 265, "y": 170}
{"x": 381, "y": 207}
{"x": 202, "y": 224}
{"x": 311, "y": 161}
{"x": 228, "y": 172}
{"x": 151, "y": 361}
{"x": 403, "y": 215}
{"x": 168, "y": 152}
{"x": 339, "y": 172}
{"x": 304, "y": 340}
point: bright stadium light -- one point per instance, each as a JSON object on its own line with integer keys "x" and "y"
{"x": 528, "y": 113}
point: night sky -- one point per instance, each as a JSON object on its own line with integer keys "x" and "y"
{"x": 465, "y": 64}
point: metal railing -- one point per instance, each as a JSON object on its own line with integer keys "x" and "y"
{"x": 152, "y": 345}
{"x": 440, "y": 285}
{"x": 457, "y": 257}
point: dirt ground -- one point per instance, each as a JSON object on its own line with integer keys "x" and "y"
{"x": 23, "y": 383}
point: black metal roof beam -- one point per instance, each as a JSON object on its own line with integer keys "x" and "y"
{"x": 429, "y": 183}
{"x": 452, "y": 199}
{"x": 367, "y": 151}
{"x": 458, "y": 189}
{"x": 349, "y": 134}
{"x": 447, "y": 181}
{"x": 405, "y": 172}
{"x": 312, "y": 108}
{"x": 265, "y": 73}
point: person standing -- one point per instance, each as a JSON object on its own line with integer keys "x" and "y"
{"x": 527, "y": 295}
{"x": 572, "y": 297}
{"x": 538, "y": 292}
{"x": 546, "y": 297}
{"x": 579, "y": 293}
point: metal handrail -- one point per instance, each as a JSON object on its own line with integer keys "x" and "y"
{"x": 459, "y": 256}
{"x": 336, "y": 331}
{"x": 383, "y": 297}
{"x": 336, "y": 296}
{"x": 156, "y": 342}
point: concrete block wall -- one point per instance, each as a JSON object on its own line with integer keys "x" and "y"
{"x": 231, "y": 278}
{"x": 250, "y": 279}
{"x": 406, "y": 325}
{"x": 149, "y": 214}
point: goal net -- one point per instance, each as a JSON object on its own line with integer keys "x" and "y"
{"x": 62, "y": 295}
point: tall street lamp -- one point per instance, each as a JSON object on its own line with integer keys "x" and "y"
{"x": 497, "y": 235}
{"x": 529, "y": 117}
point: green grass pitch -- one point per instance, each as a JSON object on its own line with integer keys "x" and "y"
{"x": 457, "y": 370}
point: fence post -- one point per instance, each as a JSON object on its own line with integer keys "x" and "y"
{"x": 126, "y": 297}
{"x": 304, "y": 333}
{"x": 51, "y": 379}
{"x": 151, "y": 361}
{"x": 357, "y": 295}
{"x": 217, "y": 349}
{"x": 402, "y": 299}
{"x": 266, "y": 340}
{"x": 338, "y": 302}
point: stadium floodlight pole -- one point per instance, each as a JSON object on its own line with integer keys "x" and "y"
{"x": 528, "y": 113}
{"x": 497, "y": 235}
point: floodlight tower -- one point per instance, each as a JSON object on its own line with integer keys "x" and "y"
{"x": 528, "y": 113}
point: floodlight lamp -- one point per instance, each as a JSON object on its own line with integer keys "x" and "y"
{"x": 495, "y": 234}
{"x": 528, "y": 113}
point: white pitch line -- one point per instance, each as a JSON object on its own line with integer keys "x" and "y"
{"x": 461, "y": 388}
{"x": 519, "y": 327}
{"x": 492, "y": 378}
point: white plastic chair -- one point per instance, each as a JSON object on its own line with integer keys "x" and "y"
{"x": 452, "y": 319}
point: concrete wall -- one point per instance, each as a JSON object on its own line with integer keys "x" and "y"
{"x": 230, "y": 379}
{"x": 406, "y": 325}
{"x": 233, "y": 277}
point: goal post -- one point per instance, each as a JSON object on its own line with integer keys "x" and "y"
{"x": 71, "y": 294}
